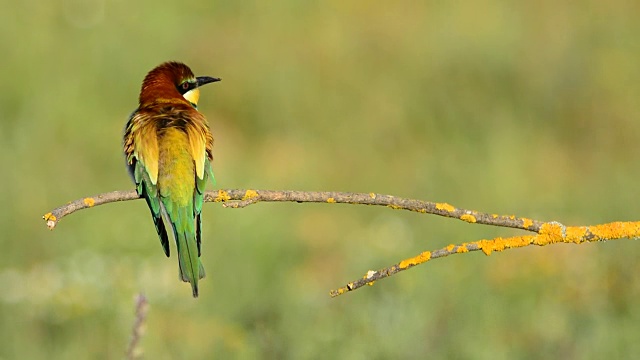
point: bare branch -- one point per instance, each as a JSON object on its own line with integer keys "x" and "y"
{"x": 241, "y": 198}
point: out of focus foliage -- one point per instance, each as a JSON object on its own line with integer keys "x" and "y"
{"x": 524, "y": 108}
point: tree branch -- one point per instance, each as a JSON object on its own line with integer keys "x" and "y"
{"x": 550, "y": 233}
{"x": 241, "y": 198}
{"x": 546, "y": 232}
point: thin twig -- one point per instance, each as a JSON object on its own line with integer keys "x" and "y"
{"x": 550, "y": 233}
{"x": 241, "y": 198}
{"x": 133, "y": 351}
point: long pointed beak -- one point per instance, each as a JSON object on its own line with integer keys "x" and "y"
{"x": 206, "y": 79}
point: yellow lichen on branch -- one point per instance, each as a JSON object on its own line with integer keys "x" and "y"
{"x": 550, "y": 233}
{"x": 615, "y": 230}
{"x": 546, "y": 233}
{"x": 238, "y": 198}
{"x": 445, "y": 207}
{"x": 575, "y": 234}
{"x": 468, "y": 218}
{"x": 50, "y": 219}
{"x": 416, "y": 260}
{"x": 249, "y": 194}
{"x": 500, "y": 244}
{"x": 223, "y": 196}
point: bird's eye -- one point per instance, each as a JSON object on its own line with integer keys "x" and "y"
{"x": 185, "y": 85}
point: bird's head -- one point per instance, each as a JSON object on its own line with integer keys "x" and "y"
{"x": 172, "y": 80}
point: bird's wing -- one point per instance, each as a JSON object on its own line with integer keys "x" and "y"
{"x": 198, "y": 134}
{"x": 198, "y": 200}
{"x": 201, "y": 143}
{"x": 141, "y": 143}
{"x": 141, "y": 151}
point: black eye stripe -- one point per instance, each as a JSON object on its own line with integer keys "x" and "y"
{"x": 185, "y": 87}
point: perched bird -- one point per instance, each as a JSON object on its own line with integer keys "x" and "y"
{"x": 168, "y": 148}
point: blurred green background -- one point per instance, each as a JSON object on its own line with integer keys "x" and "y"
{"x": 519, "y": 108}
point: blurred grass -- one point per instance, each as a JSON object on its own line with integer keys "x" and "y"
{"x": 529, "y": 109}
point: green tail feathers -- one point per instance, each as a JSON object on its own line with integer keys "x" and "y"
{"x": 183, "y": 223}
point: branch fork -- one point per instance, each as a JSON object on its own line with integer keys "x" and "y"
{"x": 545, "y": 233}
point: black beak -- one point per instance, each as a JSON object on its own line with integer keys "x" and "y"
{"x": 206, "y": 79}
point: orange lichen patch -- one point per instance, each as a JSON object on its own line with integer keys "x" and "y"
{"x": 495, "y": 216}
{"x": 249, "y": 194}
{"x": 518, "y": 241}
{"x": 372, "y": 195}
{"x": 526, "y": 223}
{"x": 89, "y": 201}
{"x": 331, "y": 200}
{"x": 550, "y": 233}
{"x": 222, "y": 196}
{"x": 416, "y": 260}
{"x": 49, "y": 217}
{"x": 499, "y": 244}
{"x": 445, "y": 207}
{"x": 462, "y": 249}
{"x": 395, "y": 207}
{"x": 576, "y": 234}
{"x": 551, "y": 228}
{"x": 489, "y": 246}
{"x": 424, "y": 211}
{"x": 616, "y": 230}
{"x": 451, "y": 247}
{"x": 512, "y": 217}
{"x": 468, "y": 218}
{"x": 340, "y": 291}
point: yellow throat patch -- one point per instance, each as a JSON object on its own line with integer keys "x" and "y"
{"x": 192, "y": 96}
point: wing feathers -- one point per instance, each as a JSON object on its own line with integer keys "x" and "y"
{"x": 142, "y": 151}
{"x": 197, "y": 147}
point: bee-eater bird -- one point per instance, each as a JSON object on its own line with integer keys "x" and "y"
{"x": 168, "y": 148}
